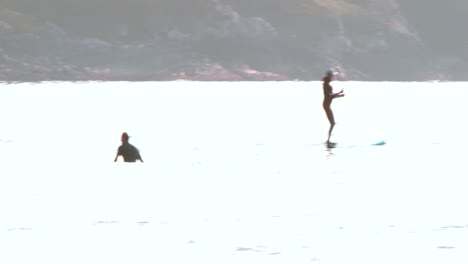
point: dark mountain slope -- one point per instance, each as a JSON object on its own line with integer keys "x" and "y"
{"x": 232, "y": 39}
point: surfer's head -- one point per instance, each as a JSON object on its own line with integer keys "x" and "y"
{"x": 125, "y": 137}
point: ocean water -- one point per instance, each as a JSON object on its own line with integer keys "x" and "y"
{"x": 233, "y": 173}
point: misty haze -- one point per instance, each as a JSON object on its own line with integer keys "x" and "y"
{"x": 232, "y": 39}
{"x": 207, "y": 131}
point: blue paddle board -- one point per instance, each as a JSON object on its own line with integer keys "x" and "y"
{"x": 344, "y": 145}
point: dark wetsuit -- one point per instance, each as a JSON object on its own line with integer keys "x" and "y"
{"x": 327, "y": 100}
{"x": 129, "y": 152}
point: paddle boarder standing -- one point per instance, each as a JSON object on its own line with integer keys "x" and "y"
{"x": 328, "y": 98}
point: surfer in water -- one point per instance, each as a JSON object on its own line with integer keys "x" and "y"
{"x": 328, "y": 98}
{"x": 127, "y": 150}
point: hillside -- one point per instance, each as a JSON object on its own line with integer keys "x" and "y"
{"x": 231, "y": 39}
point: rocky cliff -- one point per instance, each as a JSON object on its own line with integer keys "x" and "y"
{"x": 232, "y": 39}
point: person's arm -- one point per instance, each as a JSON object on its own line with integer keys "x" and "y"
{"x": 339, "y": 94}
{"x": 118, "y": 154}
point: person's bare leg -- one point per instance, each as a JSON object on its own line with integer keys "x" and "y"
{"x": 330, "y": 131}
{"x": 331, "y": 119}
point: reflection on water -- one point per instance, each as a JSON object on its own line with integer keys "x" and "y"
{"x": 329, "y": 148}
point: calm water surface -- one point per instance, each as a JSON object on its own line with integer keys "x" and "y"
{"x": 233, "y": 173}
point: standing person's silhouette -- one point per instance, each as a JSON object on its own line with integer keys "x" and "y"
{"x": 128, "y": 151}
{"x": 328, "y": 98}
